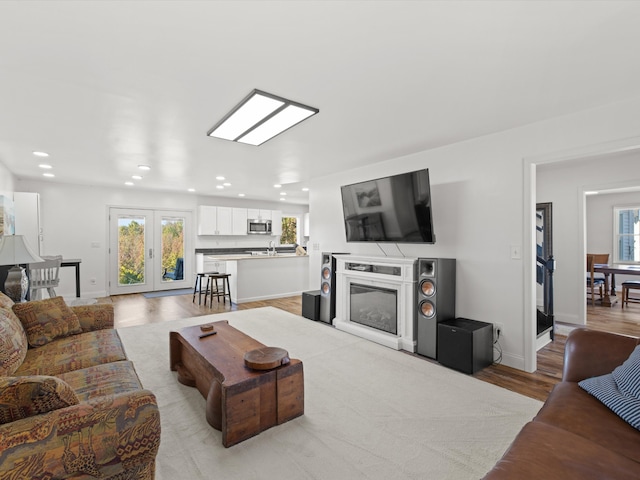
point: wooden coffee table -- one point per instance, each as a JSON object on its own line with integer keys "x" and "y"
{"x": 241, "y": 402}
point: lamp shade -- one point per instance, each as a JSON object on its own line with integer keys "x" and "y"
{"x": 14, "y": 250}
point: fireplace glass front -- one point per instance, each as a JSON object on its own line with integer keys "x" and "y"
{"x": 375, "y": 307}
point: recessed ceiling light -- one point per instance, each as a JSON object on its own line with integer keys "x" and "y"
{"x": 41, "y": 154}
{"x": 259, "y": 117}
{"x": 277, "y": 185}
{"x": 128, "y": 183}
{"x": 136, "y": 177}
{"x": 144, "y": 167}
{"x": 45, "y": 166}
{"x": 283, "y": 193}
{"x": 241, "y": 194}
{"x": 282, "y": 199}
{"x": 220, "y": 187}
{"x": 305, "y": 189}
{"x": 191, "y": 190}
{"x": 226, "y": 184}
{"x": 48, "y": 175}
{"x": 591, "y": 193}
{"x": 220, "y": 177}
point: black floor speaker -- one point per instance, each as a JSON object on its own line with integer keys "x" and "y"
{"x": 465, "y": 345}
{"x": 435, "y": 301}
{"x": 311, "y": 305}
{"x": 327, "y": 287}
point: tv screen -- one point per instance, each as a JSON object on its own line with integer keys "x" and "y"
{"x": 390, "y": 209}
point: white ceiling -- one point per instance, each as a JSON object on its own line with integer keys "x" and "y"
{"x": 105, "y": 86}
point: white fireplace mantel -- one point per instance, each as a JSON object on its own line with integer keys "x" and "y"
{"x": 402, "y": 280}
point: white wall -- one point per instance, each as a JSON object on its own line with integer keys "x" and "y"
{"x": 7, "y": 181}
{"x": 74, "y": 216}
{"x": 480, "y": 199}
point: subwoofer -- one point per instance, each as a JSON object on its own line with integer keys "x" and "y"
{"x": 327, "y": 287}
{"x": 435, "y": 301}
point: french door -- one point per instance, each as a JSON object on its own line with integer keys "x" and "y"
{"x": 149, "y": 250}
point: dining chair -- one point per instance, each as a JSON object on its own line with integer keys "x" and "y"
{"x": 594, "y": 282}
{"x": 44, "y": 275}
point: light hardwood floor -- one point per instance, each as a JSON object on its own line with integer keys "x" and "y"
{"x": 135, "y": 309}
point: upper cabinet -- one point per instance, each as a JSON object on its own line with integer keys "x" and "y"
{"x": 215, "y": 220}
{"x": 276, "y": 222}
{"x": 240, "y": 221}
{"x": 305, "y": 230}
{"x": 233, "y": 221}
{"x": 256, "y": 214}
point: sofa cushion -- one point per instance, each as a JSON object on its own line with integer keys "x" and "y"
{"x": 22, "y": 397}
{"x": 618, "y": 390}
{"x": 627, "y": 375}
{"x": 571, "y": 408}
{"x": 97, "y": 316}
{"x": 5, "y": 302}
{"x": 100, "y": 380}
{"x": 46, "y": 320}
{"x": 13, "y": 342}
{"x": 73, "y": 353}
{"x": 542, "y": 451}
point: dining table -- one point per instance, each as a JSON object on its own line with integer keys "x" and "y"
{"x": 610, "y": 270}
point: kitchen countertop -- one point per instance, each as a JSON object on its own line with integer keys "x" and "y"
{"x": 226, "y": 258}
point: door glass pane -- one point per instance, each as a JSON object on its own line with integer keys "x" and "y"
{"x": 131, "y": 248}
{"x": 172, "y": 249}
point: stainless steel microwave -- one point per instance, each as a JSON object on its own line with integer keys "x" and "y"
{"x": 259, "y": 227}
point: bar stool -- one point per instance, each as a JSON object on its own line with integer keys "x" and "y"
{"x": 626, "y": 286}
{"x": 212, "y": 279}
{"x": 197, "y": 288}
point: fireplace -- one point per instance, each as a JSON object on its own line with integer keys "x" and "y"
{"x": 375, "y": 299}
{"x": 375, "y": 307}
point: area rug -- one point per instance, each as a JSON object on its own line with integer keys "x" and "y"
{"x": 168, "y": 293}
{"x": 370, "y": 412}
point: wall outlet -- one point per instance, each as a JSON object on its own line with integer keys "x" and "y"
{"x": 498, "y": 331}
{"x": 92, "y": 281}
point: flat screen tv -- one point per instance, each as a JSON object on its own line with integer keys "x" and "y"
{"x": 390, "y": 209}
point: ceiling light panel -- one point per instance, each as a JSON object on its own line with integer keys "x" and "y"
{"x": 245, "y": 116}
{"x": 260, "y": 117}
{"x": 277, "y": 124}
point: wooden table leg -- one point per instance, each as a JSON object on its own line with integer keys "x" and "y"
{"x": 214, "y": 405}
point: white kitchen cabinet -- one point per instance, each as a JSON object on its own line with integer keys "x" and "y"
{"x": 214, "y": 220}
{"x": 239, "y": 221}
{"x": 214, "y": 266}
{"x": 276, "y": 222}
{"x": 224, "y": 221}
{"x": 305, "y": 229}
{"x": 258, "y": 214}
{"x": 207, "y": 217}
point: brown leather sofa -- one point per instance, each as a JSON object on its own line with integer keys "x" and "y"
{"x": 574, "y": 435}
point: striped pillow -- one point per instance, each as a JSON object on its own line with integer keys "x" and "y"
{"x": 620, "y": 389}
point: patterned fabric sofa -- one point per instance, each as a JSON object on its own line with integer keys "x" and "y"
{"x": 71, "y": 404}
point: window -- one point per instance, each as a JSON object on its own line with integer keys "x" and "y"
{"x": 626, "y": 248}
{"x": 289, "y": 231}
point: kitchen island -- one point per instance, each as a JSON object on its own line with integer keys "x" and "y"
{"x": 261, "y": 277}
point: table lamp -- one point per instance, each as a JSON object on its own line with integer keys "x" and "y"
{"x": 14, "y": 250}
